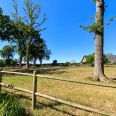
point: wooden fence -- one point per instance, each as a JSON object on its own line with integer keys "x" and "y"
{"x": 35, "y": 93}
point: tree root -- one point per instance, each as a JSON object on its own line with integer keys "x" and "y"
{"x": 102, "y": 78}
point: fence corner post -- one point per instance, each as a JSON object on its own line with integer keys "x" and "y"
{"x": 0, "y": 80}
{"x": 34, "y": 89}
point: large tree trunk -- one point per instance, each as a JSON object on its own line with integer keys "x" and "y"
{"x": 99, "y": 43}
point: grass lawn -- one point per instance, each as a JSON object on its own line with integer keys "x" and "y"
{"x": 101, "y": 98}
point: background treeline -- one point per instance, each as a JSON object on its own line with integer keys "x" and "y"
{"x": 24, "y": 33}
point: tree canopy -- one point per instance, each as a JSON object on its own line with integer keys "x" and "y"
{"x": 5, "y": 26}
{"x": 8, "y": 51}
{"x": 24, "y": 32}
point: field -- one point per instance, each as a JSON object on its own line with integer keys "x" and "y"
{"x": 102, "y": 98}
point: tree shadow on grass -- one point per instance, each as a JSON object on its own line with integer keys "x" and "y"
{"x": 50, "y": 71}
{"x": 42, "y": 71}
{"x": 113, "y": 79}
{"x": 52, "y": 106}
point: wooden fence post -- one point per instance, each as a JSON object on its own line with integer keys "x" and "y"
{"x": 0, "y": 81}
{"x": 34, "y": 89}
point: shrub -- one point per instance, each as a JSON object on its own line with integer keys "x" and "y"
{"x": 67, "y": 64}
{"x": 90, "y": 59}
{"x": 54, "y": 62}
{"x": 7, "y": 62}
{"x": 13, "y": 63}
{"x": 1, "y": 63}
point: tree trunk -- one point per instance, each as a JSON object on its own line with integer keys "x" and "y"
{"x": 99, "y": 42}
{"x": 40, "y": 60}
{"x": 28, "y": 52}
{"x": 34, "y": 61}
{"x": 20, "y": 61}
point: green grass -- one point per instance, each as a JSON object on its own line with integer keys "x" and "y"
{"x": 101, "y": 98}
{"x": 10, "y": 106}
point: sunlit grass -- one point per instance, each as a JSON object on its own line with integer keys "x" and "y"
{"x": 101, "y": 98}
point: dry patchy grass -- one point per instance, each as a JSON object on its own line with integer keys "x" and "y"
{"x": 101, "y": 98}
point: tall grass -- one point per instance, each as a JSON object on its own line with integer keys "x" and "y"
{"x": 10, "y": 106}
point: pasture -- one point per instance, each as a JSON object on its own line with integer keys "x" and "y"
{"x": 102, "y": 98}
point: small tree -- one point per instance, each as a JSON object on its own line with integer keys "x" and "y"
{"x": 54, "y": 62}
{"x": 90, "y": 59}
{"x": 7, "y": 52}
{"x": 73, "y": 62}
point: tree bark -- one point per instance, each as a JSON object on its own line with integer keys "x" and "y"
{"x": 34, "y": 61}
{"x": 99, "y": 42}
{"x": 28, "y": 52}
{"x": 40, "y": 60}
{"x": 20, "y": 61}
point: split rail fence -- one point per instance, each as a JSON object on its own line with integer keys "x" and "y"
{"x": 35, "y": 93}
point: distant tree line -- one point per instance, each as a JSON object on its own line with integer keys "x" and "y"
{"x": 24, "y": 34}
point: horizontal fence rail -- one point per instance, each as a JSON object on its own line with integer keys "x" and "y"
{"x": 34, "y": 93}
{"x": 16, "y": 88}
{"x": 70, "y": 80}
{"x": 60, "y": 79}
{"x": 82, "y": 107}
{"x": 27, "y": 74}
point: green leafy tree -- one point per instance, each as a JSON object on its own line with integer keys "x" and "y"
{"x": 10, "y": 62}
{"x": 5, "y": 26}
{"x": 8, "y": 52}
{"x": 44, "y": 54}
{"x": 20, "y": 40}
{"x": 54, "y": 62}
{"x": 7, "y": 62}
{"x": 90, "y": 59}
{"x": 13, "y": 63}
{"x": 32, "y": 11}
{"x": 30, "y": 22}
{"x": 19, "y": 37}
{"x": 40, "y": 51}
{"x": 1, "y": 62}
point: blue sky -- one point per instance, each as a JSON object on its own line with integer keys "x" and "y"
{"x": 63, "y": 36}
